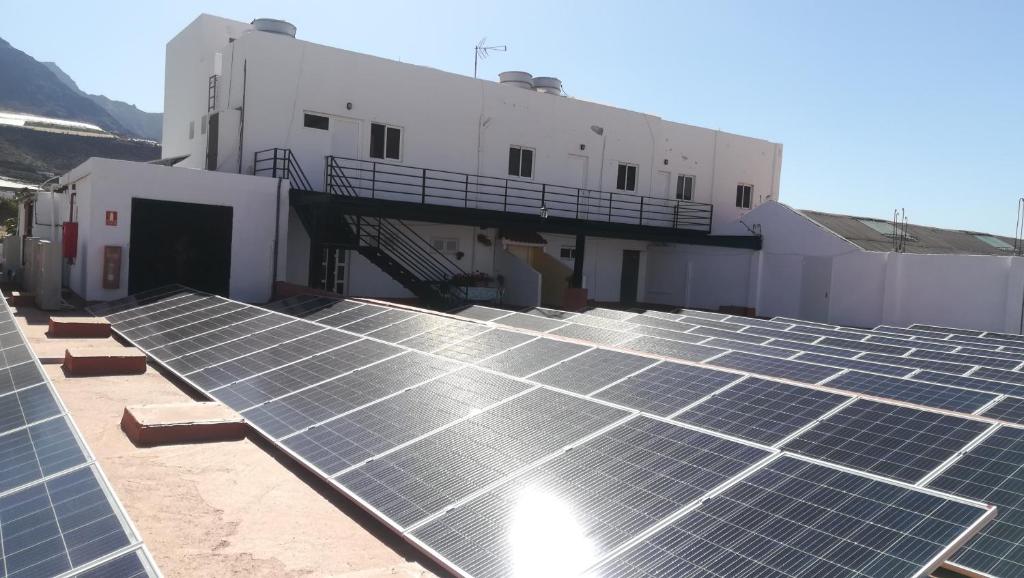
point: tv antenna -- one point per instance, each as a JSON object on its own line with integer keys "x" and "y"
{"x": 483, "y": 51}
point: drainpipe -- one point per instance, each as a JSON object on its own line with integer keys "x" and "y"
{"x": 277, "y": 237}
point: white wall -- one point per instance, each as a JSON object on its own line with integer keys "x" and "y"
{"x": 522, "y": 282}
{"x": 449, "y": 121}
{"x": 109, "y": 185}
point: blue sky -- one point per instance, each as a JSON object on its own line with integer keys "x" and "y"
{"x": 879, "y": 105}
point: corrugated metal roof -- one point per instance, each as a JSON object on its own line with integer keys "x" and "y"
{"x": 921, "y": 239}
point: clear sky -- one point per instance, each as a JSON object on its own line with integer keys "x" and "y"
{"x": 915, "y": 104}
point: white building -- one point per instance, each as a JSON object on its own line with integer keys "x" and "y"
{"x": 233, "y": 91}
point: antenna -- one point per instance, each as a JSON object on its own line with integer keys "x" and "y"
{"x": 481, "y": 51}
{"x": 1018, "y": 233}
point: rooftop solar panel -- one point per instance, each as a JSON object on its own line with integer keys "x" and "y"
{"x": 774, "y": 523}
{"x": 781, "y": 334}
{"x": 864, "y": 346}
{"x": 667, "y": 387}
{"x": 756, "y": 322}
{"x": 20, "y": 376}
{"x": 711, "y": 324}
{"x": 409, "y": 328}
{"x": 354, "y": 437}
{"x": 130, "y": 565}
{"x": 484, "y": 345}
{"x": 601, "y": 493}
{"x": 912, "y": 391}
{"x": 303, "y": 407}
{"x": 750, "y": 347}
{"x": 223, "y": 335}
{"x": 481, "y": 313}
{"x": 533, "y": 356}
{"x": 908, "y": 331}
{"x": 661, "y": 323}
{"x": 966, "y": 359}
{"x": 236, "y": 347}
{"x": 999, "y": 375}
{"x": 40, "y": 450}
{"x": 172, "y": 309}
{"x": 814, "y": 348}
{"x": 731, "y": 335}
{"x": 347, "y": 314}
{"x": 603, "y": 323}
{"x": 158, "y": 327}
{"x": 1009, "y": 409}
{"x": 671, "y": 348}
{"x": 970, "y": 382}
{"x": 667, "y": 334}
{"x": 379, "y": 321}
{"x": 1019, "y": 358}
{"x": 592, "y": 370}
{"x": 901, "y": 342}
{"x": 889, "y": 440}
{"x": 950, "y": 330}
{"x": 550, "y": 313}
{"x": 424, "y": 477}
{"x": 444, "y": 336}
{"x": 530, "y": 322}
{"x": 826, "y": 332}
{"x": 138, "y": 299}
{"x": 773, "y": 367}
{"x": 614, "y": 314}
{"x": 337, "y": 307}
{"x": 858, "y": 364}
{"x": 918, "y": 363}
{"x": 710, "y": 315}
{"x": 992, "y": 472}
{"x": 593, "y": 334}
{"x": 198, "y": 328}
{"x": 761, "y": 410}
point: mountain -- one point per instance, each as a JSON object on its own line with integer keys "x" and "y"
{"x": 28, "y": 86}
{"x": 148, "y": 125}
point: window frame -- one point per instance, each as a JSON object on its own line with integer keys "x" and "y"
{"x": 564, "y": 249}
{"x": 384, "y": 146}
{"x": 519, "y": 169}
{"x": 623, "y": 172}
{"x": 444, "y": 241}
{"x": 680, "y": 180}
{"x": 744, "y": 195}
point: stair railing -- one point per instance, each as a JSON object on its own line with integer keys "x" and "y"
{"x": 281, "y": 163}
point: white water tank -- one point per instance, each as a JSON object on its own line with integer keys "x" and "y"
{"x": 274, "y": 26}
{"x": 48, "y": 269}
{"x": 548, "y": 85}
{"x": 517, "y": 78}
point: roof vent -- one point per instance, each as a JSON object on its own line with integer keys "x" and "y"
{"x": 517, "y": 78}
{"x": 274, "y": 26}
{"x": 548, "y": 85}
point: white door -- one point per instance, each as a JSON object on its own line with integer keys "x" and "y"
{"x": 661, "y": 184}
{"x": 345, "y": 144}
{"x": 815, "y": 284}
{"x": 579, "y": 166}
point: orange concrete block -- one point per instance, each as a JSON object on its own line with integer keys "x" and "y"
{"x": 185, "y": 422}
{"x": 20, "y": 299}
{"x": 81, "y": 361}
{"x": 79, "y": 327}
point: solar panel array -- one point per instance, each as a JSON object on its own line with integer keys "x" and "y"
{"x": 504, "y": 451}
{"x": 58, "y": 515}
{"x": 969, "y": 373}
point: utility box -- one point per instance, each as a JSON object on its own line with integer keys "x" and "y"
{"x": 47, "y": 268}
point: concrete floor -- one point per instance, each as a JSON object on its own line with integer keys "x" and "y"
{"x": 222, "y": 509}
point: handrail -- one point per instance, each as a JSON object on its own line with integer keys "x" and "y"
{"x": 281, "y": 163}
{"x": 388, "y": 181}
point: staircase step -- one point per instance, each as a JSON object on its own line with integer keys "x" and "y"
{"x": 79, "y": 327}
{"x": 183, "y": 422}
{"x": 92, "y": 361}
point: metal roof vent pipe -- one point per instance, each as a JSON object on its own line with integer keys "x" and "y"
{"x": 548, "y": 85}
{"x": 517, "y": 78}
{"x": 274, "y": 26}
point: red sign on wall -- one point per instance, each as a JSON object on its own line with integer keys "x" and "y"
{"x": 111, "y": 218}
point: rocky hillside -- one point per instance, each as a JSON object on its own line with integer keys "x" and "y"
{"x": 142, "y": 124}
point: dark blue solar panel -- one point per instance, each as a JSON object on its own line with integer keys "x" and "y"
{"x": 607, "y": 489}
{"x": 992, "y": 473}
{"x": 966, "y": 359}
{"x": 725, "y": 334}
{"x": 1010, "y": 409}
{"x": 533, "y": 356}
{"x": 667, "y": 387}
{"x": 770, "y": 351}
{"x": 919, "y": 392}
{"x": 784, "y": 520}
{"x": 917, "y": 363}
{"x": 886, "y": 439}
{"x": 999, "y": 375}
{"x": 970, "y": 382}
{"x": 859, "y": 364}
{"x": 865, "y": 346}
{"x": 41, "y": 450}
{"x": 592, "y": 370}
{"x": 773, "y": 367}
{"x": 670, "y": 348}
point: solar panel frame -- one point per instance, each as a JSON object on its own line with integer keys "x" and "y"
{"x": 533, "y": 356}
{"x": 671, "y": 348}
{"x": 1010, "y": 409}
{"x": 858, "y": 364}
{"x": 916, "y": 363}
{"x": 911, "y": 391}
{"x": 667, "y": 388}
{"x": 774, "y": 367}
{"x": 591, "y": 370}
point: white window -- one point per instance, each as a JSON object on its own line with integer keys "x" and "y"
{"x": 385, "y": 141}
{"x": 743, "y": 194}
{"x": 684, "y": 187}
{"x": 447, "y": 246}
{"x": 520, "y": 162}
{"x": 626, "y": 179}
{"x": 567, "y": 252}
{"x": 191, "y": 129}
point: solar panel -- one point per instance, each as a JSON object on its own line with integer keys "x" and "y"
{"x": 336, "y": 307}
{"x": 443, "y": 336}
{"x": 999, "y": 375}
{"x": 180, "y": 307}
{"x": 813, "y": 348}
{"x": 533, "y": 356}
{"x": 826, "y": 332}
{"x": 335, "y": 318}
{"x": 709, "y": 315}
{"x": 707, "y": 323}
{"x": 992, "y": 473}
{"x": 182, "y": 320}
{"x": 224, "y": 335}
{"x": 660, "y": 323}
{"x": 409, "y": 328}
{"x": 967, "y": 359}
{"x": 773, "y": 367}
{"x": 756, "y": 322}
{"x": 889, "y": 440}
{"x": 484, "y": 345}
{"x": 603, "y": 323}
{"x": 750, "y": 347}
{"x": 1009, "y": 409}
{"x": 675, "y": 335}
{"x": 40, "y": 450}
{"x": 530, "y": 322}
{"x": 917, "y": 363}
{"x": 481, "y": 313}
{"x": 761, "y": 410}
{"x": 950, "y": 330}
{"x": 912, "y": 391}
{"x": 670, "y": 348}
{"x": 731, "y": 335}
{"x": 559, "y": 517}
{"x": 784, "y": 520}
{"x": 593, "y": 334}
{"x": 26, "y": 406}
{"x": 781, "y": 334}
{"x": 858, "y": 364}
{"x": 908, "y": 343}
{"x": 865, "y": 346}
{"x": 614, "y": 314}
{"x": 130, "y": 565}
{"x": 550, "y": 313}
{"x": 592, "y": 370}
{"x": 20, "y": 376}
{"x": 970, "y": 382}
{"x": 221, "y": 351}
{"x": 1019, "y": 358}
{"x": 424, "y": 477}
{"x": 379, "y": 321}
{"x": 138, "y": 299}
{"x": 201, "y": 327}
{"x": 354, "y": 437}
{"x": 666, "y": 388}
{"x": 318, "y": 402}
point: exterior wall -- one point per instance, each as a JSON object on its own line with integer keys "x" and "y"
{"x": 108, "y": 185}
{"x": 449, "y": 121}
{"x": 522, "y": 282}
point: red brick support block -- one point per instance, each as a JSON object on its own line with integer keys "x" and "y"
{"x": 85, "y": 361}
{"x": 20, "y": 299}
{"x": 79, "y": 327}
{"x": 185, "y": 422}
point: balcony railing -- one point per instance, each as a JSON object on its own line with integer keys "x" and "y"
{"x": 387, "y": 181}
{"x": 280, "y": 163}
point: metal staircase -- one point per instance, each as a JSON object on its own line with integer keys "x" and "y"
{"x": 390, "y": 244}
